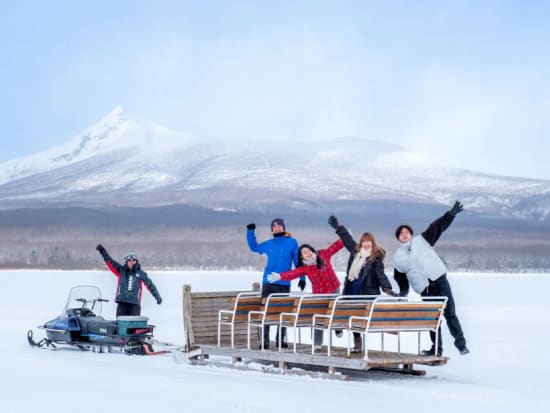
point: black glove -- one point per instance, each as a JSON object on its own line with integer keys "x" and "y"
{"x": 159, "y": 300}
{"x": 333, "y": 222}
{"x": 251, "y": 226}
{"x": 390, "y": 292}
{"x": 457, "y": 208}
{"x": 100, "y": 248}
{"x": 302, "y": 284}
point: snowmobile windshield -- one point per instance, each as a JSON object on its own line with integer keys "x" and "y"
{"x": 85, "y": 297}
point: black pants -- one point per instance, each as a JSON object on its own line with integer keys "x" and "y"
{"x": 441, "y": 287}
{"x": 267, "y": 289}
{"x": 128, "y": 309}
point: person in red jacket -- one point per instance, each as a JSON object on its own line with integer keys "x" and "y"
{"x": 318, "y": 268}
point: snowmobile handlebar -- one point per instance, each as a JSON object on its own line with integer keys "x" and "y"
{"x": 95, "y": 300}
{"x": 92, "y": 301}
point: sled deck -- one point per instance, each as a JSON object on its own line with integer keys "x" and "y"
{"x": 217, "y": 331}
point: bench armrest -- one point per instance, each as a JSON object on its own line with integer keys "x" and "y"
{"x": 288, "y": 315}
{"x": 358, "y": 318}
{"x": 261, "y": 313}
{"x": 227, "y": 312}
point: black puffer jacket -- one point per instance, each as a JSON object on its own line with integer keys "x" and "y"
{"x": 372, "y": 277}
{"x": 130, "y": 281}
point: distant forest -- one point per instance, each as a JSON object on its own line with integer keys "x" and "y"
{"x": 224, "y": 247}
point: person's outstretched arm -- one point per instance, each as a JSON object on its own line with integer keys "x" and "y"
{"x": 114, "y": 266}
{"x": 251, "y": 239}
{"x": 151, "y": 287}
{"x": 343, "y": 233}
{"x": 334, "y": 248}
{"x": 381, "y": 276}
{"x": 436, "y": 228}
{"x": 299, "y": 272}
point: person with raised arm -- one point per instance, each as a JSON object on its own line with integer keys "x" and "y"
{"x": 131, "y": 279}
{"x": 365, "y": 270}
{"x": 282, "y": 254}
{"x": 417, "y": 264}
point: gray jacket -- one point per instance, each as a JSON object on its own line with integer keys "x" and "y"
{"x": 416, "y": 262}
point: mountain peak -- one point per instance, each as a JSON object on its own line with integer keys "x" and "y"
{"x": 90, "y": 142}
{"x": 117, "y": 111}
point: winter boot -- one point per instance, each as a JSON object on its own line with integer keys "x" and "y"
{"x": 464, "y": 350}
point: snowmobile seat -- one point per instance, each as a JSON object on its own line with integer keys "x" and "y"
{"x": 128, "y": 324}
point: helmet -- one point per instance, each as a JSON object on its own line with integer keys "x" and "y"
{"x": 131, "y": 256}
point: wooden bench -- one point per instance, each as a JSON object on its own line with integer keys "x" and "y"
{"x": 273, "y": 306}
{"x": 242, "y": 304}
{"x": 302, "y": 314}
{"x": 337, "y": 316}
{"x": 399, "y": 314}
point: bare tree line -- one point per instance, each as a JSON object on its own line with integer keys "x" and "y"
{"x": 212, "y": 248}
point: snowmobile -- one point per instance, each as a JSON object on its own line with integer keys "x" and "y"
{"x": 81, "y": 326}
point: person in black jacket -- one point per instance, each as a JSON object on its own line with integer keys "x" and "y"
{"x": 131, "y": 279}
{"x": 365, "y": 270}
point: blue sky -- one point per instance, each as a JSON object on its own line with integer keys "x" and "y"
{"x": 465, "y": 82}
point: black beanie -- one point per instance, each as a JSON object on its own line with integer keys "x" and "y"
{"x": 279, "y": 221}
{"x": 400, "y": 227}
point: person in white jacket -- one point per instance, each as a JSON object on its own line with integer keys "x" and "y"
{"x": 416, "y": 263}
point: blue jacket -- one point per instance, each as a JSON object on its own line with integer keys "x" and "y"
{"x": 281, "y": 251}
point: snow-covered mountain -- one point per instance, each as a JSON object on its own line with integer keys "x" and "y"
{"x": 119, "y": 161}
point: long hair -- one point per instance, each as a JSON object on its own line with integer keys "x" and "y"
{"x": 319, "y": 262}
{"x": 376, "y": 249}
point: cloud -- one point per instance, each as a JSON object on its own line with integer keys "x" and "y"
{"x": 478, "y": 123}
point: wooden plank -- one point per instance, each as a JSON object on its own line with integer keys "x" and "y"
{"x": 188, "y": 316}
{"x": 407, "y": 306}
{"x": 337, "y": 360}
{"x": 402, "y": 324}
{"x": 271, "y": 370}
{"x": 376, "y": 314}
{"x": 215, "y": 294}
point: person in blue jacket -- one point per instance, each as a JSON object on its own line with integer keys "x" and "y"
{"x": 282, "y": 254}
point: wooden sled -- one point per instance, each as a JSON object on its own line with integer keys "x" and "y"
{"x": 217, "y": 331}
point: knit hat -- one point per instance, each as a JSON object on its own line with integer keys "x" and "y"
{"x": 278, "y": 221}
{"x": 400, "y": 227}
{"x": 131, "y": 256}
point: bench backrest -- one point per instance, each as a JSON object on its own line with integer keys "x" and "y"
{"x": 275, "y": 304}
{"x": 343, "y": 307}
{"x": 309, "y": 305}
{"x": 243, "y": 303}
{"x": 400, "y": 314}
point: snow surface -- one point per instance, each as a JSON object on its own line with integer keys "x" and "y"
{"x": 506, "y": 319}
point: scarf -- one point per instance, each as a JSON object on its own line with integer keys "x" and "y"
{"x": 357, "y": 264}
{"x": 312, "y": 261}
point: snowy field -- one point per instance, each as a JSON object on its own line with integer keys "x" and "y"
{"x": 506, "y": 319}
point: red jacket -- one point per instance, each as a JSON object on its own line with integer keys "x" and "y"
{"x": 324, "y": 279}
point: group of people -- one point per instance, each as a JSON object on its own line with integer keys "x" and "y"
{"x": 415, "y": 263}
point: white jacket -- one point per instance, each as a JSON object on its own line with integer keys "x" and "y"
{"x": 419, "y": 261}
